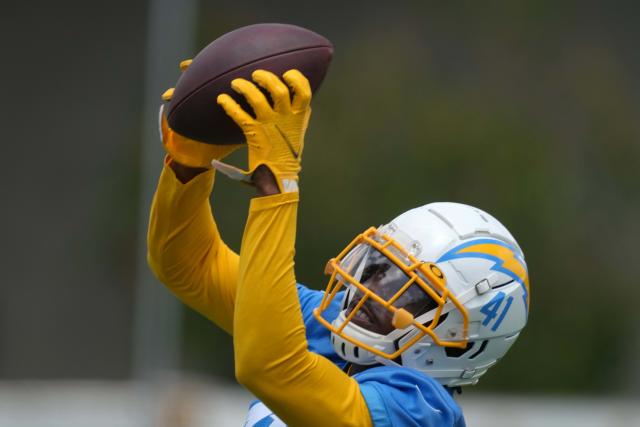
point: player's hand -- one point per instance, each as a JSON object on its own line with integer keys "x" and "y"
{"x": 186, "y": 151}
{"x": 275, "y": 137}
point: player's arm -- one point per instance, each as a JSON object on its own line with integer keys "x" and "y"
{"x": 185, "y": 250}
{"x": 271, "y": 355}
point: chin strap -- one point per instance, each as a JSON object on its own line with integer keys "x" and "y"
{"x": 453, "y": 390}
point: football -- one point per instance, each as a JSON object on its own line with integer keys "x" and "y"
{"x": 193, "y": 111}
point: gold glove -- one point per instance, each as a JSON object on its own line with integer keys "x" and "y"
{"x": 275, "y": 137}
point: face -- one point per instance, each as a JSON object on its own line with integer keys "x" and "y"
{"x": 385, "y": 279}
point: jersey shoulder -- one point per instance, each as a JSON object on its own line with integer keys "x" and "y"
{"x": 397, "y": 395}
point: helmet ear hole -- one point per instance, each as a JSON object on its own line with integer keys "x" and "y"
{"x": 480, "y": 350}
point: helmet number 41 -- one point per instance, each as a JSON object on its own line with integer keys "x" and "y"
{"x": 491, "y": 309}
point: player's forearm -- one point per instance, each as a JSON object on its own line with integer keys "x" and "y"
{"x": 180, "y": 227}
{"x": 271, "y": 353}
{"x": 185, "y": 250}
{"x": 267, "y": 306}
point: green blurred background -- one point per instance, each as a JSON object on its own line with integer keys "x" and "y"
{"x": 526, "y": 109}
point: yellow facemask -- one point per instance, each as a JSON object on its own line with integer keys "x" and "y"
{"x": 393, "y": 291}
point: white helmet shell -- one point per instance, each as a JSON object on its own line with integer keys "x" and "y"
{"x": 484, "y": 269}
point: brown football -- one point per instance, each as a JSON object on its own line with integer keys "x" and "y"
{"x": 193, "y": 111}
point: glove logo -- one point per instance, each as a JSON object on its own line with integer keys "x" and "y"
{"x": 507, "y": 259}
{"x": 296, "y": 155}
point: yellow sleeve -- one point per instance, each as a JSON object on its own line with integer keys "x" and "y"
{"x": 185, "y": 250}
{"x": 272, "y": 360}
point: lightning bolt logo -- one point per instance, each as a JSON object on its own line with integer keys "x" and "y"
{"x": 506, "y": 258}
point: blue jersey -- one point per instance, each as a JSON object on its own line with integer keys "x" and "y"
{"x": 396, "y": 396}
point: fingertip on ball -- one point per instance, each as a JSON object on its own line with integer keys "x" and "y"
{"x": 294, "y": 74}
{"x": 222, "y": 98}
{"x": 239, "y": 83}
{"x": 262, "y": 74}
{"x": 185, "y": 64}
{"x": 168, "y": 94}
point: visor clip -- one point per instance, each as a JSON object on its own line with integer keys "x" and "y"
{"x": 468, "y": 374}
{"x": 482, "y": 287}
{"x": 416, "y": 248}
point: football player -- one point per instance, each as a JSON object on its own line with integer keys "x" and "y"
{"x": 414, "y": 309}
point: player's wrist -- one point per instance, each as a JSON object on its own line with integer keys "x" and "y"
{"x": 183, "y": 172}
{"x": 265, "y": 181}
{"x": 194, "y": 153}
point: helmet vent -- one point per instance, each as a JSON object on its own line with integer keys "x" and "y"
{"x": 480, "y": 350}
{"x": 503, "y": 284}
{"x": 342, "y": 349}
{"x": 457, "y": 352}
{"x": 482, "y": 216}
{"x": 356, "y": 352}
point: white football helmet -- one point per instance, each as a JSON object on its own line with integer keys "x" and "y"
{"x": 442, "y": 288}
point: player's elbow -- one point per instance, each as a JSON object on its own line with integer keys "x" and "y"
{"x": 247, "y": 374}
{"x": 256, "y": 379}
{"x": 250, "y": 367}
{"x": 155, "y": 265}
{"x": 252, "y": 370}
